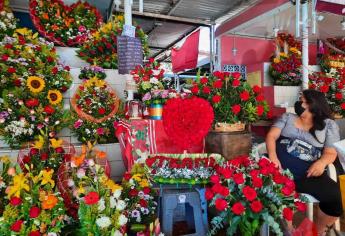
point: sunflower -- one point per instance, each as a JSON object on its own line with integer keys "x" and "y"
{"x": 54, "y": 97}
{"x": 35, "y": 84}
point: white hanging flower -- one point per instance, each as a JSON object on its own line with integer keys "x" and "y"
{"x": 121, "y": 205}
{"x": 103, "y": 222}
{"x": 101, "y": 205}
{"x": 117, "y": 193}
{"x": 112, "y": 201}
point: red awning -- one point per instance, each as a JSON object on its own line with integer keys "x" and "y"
{"x": 186, "y": 57}
{"x": 332, "y": 6}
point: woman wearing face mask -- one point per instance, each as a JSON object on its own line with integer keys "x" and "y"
{"x": 303, "y": 143}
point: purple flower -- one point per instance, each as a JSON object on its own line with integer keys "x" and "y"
{"x": 135, "y": 214}
{"x": 4, "y": 114}
{"x": 147, "y": 97}
{"x": 165, "y": 93}
{"x": 81, "y": 28}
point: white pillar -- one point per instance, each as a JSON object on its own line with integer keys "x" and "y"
{"x": 298, "y": 18}
{"x": 128, "y": 12}
{"x": 305, "y": 45}
{"x": 141, "y": 6}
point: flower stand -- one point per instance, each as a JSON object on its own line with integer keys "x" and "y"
{"x": 175, "y": 206}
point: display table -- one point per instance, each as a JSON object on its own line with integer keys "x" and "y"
{"x": 139, "y": 138}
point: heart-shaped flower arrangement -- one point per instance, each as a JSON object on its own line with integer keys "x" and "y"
{"x": 187, "y": 121}
{"x": 65, "y": 25}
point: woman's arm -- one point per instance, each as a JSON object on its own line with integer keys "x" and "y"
{"x": 328, "y": 156}
{"x": 271, "y": 139}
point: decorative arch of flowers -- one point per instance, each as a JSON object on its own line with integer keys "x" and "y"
{"x": 65, "y": 25}
{"x": 101, "y": 50}
{"x": 31, "y": 87}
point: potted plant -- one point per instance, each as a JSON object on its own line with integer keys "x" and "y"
{"x": 249, "y": 193}
{"x": 235, "y": 104}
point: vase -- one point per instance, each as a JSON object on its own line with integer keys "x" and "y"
{"x": 229, "y": 144}
{"x": 156, "y": 111}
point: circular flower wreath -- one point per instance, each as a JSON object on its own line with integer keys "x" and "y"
{"x": 180, "y": 123}
{"x": 65, "y": 25}
{"x": 95, "y": 105}
{"x": 31, "y": 87}
{"x": 101, "y": 50}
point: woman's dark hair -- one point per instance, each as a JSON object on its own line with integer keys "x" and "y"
{"x": 320, "y": 109}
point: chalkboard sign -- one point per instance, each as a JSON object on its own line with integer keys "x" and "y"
{"x": 129, "y": 53}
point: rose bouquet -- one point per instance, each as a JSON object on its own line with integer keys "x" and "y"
{"x": 139, "y": 196}
{"x": 81, "y": 174}
{"x": 89, "y": 72}
{"x": 45, "y": 153}
{"x": 232, "y": 99}
{"x": 34, "y": 208}
{"x": 95, "y": 105}
{"x": 101, "y": 50}
{"x": 8, "y": 23}
{"x": 65, "y": 25}
{"x": 249, "y": 193}
{"x": 286, "y": 64}
{"x": 184, "y": 169}
{"x": 332, "y": 85}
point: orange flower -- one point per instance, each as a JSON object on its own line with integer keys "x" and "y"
{"x": 78, "y": 160}
{"x": 45, "y": 16}
{"x": 55, "y": 27}
{"x": 50, "y": 202}
{"x": 101, "y": 154}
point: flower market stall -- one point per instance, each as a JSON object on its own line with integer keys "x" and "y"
{"x": 95, "y": 144}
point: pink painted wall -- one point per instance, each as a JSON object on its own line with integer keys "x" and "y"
{"x": 252, "y": 51}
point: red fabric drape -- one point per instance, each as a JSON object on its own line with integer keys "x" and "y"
{"x": 324, "y": 6}
{"x": 186, "y": 57}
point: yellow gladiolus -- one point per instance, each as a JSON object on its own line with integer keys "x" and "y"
{"x": 19, "y": 182}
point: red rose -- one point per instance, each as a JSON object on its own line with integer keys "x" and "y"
{"x": 55, "y": 71}
{"x": 342, "y": 106}
{"x": 32, "y": 102}
{"x": 133, "y": 193}
{"x": 34, "y": 212}
{"x": 4, "y": 57}
{"x": 215, "y": 179}
{"x": 301, "y": 206}
{"x": 206, "y": 90}
{"x": 260, "y": 110}
{"x": 50, "y": 59}
{"x": 208, "y": 194}
{"x": 236, "y": 75}
{"x": 143, "y": 203}
{"x": 33, "y": 151}
{"x": 339, "y": 96}
{"x": 227, "y": 173}
{"x": 101, "y": 111}
{"x": 221, "y": 204}
{"x": 59, "y": 150}
{"x": 81, "y": 88}
{"x": 146, "y": 190}
{"x": 17, "y": 82}
{"x": 324, "y": 88}
{"x": 49, "y": 109}
{"x": 15, "y": 201}
{"x": 16, "y": 226}
{"x": 249, "y": 193}
{"x": 287, "y": 191}
{"x": 34, "y": 233}
{"x": 216, "y": 99}
{"x": 11, "y": 70}
{"x": 218, "y": 84}
{"x": 195, "y": 89}
{"x": 8, "y": 46}
{"x": 236, "y": 109}
{"x": 236, "y": 83}
{"x": 256, "y": 89}
{"x": 264, "y": 162}
{"x": 26, "y": 159}
{"x": 238, "y": 178}
{"x": 203, "y": 80}
{"x": 44, "y": 156}
{"x": 244, "y": 95}
{"x": 256, "y": 206}
{"x": 288, "y": 214}
{"x": 340, "y": 86}
{"x": 238, "y": 208}
{"x": 260, "y": 98}
{"x": 91, "y": 198}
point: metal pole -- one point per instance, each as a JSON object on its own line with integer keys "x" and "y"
{"x": 128, "y": 12}
{"x": 212, "y": 47}
{"x": 305, "y": 45}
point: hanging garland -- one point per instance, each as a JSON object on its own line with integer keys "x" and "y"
{"x": 65, "y": 25}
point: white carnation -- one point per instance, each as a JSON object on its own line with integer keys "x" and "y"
{"x": 122, "y": 220}
{"x": 103, "y": 222}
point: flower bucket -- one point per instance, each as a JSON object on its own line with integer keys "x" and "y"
{"x": 225, "y": 127}
{"x": 156, "y": 111}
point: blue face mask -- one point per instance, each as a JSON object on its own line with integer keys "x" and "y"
{"x": 298, "y": 108}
